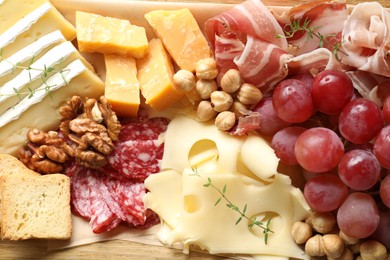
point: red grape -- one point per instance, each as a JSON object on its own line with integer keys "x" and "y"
{"x": 359, "y": 169}
{"x": 325, "y": 192}
{"x": 382, "y": 147}
{"x": 360, "y": 121}
{"x": 318, "y": 149}
{"x": 386, "y": 109}
{"x": 292, "y": 101}
{"x": 270, "y": 123}
{"x": 384, "y": 191}
{"x": 358, "y": 216}
{"x": 306, "y": 78}
{"x": 331, "y": 91}
{"x": 283, "y": 142}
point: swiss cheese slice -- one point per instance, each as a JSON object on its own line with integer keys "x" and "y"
{"x": 155, "y": 74}
{"x": 122, "y": 86}
{"x": 11, "y": 67}
{"x": 41, "y": 21}
{"x": 41, "y": 109}
{"x": 24, "y": 83}
{"x": 96, "y": 33}
{"x": 181, "y": 35}
{"x": 196, "y": 154}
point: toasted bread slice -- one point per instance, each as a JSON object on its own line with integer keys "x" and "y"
{"x": 11, "y": 165}
{"x": 35, "y": 206}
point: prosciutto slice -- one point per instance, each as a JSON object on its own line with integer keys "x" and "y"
{"x": 244, "y": 38}
{"x": 366, "y": 36}
{"x": 326, "y": 16}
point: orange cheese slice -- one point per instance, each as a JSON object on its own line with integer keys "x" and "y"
{"x": 155, "y": 74}
{"x": 122, "y": 86}
{"x": 181, "y": 35}
{"x": 96, "y": 33}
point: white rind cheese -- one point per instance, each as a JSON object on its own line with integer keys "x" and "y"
{"x": 58, "y": 80}
{"x": 44, "y": 114}
{"x": 24, "y": 57}
{"x": 248, "y": 168}
{"x": 41, "y": 21}
{"x": 29, "y": 79}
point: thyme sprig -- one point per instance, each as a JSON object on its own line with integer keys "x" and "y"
{"x": 45, "y": 74}
{"x": 242, "y": 213}
{"x": 297, "y": 26}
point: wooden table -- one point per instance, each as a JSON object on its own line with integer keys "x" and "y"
{"x": 116, "y": 249}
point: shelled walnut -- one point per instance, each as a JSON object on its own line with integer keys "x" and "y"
{"x": 89, "y": 129}
{"x": 44, "y": 152}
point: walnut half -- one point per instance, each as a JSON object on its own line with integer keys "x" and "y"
{"x": 89, "y": 128}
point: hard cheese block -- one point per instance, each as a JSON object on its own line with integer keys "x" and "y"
{"x": 181, "y": 35}
{"x": 122, "y": 86}
{"x": 108, "y": 35}
{"x": 13, "y": 10}
{"x": 155, "y": 74}
{"x": 41, "y": 21}
{"x": 41, "y": 110}
{"x": 53, "y": 61}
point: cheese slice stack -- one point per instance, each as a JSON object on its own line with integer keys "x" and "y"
{"x": 40, "y": 70}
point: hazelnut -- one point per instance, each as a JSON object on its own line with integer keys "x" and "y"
{"x": 239, "y": 109}
{"x": 221, "y": 101}
{"x": 347, "y": 239}
{"x": 333, "y": 245}
{"x": 249, "y": 94}
{"x": 322, "y": 222}
{"x": 301, "y": 232}
{"x": 225, "y": 120}
{"x": 206, "y": 69}
{"x": 231, "y": 81}
{"x": 205, "y": 87}
{"x": 372, "y": 250}
{"x": 205, "y": 111}
{"x": 346, "y": 255}
{"x": 184, "y": 80}
{"x": 314, "y": 246}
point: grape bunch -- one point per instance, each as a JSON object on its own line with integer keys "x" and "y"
{"x": 341, "y": 140}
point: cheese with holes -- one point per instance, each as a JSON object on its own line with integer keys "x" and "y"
{"x": 13, "y": 10}
{"x": 197, "y": 153}
{"x": 181, "y": 35}
{"x": 122, "y": 86}
{"x": 41, "y": 110}
{"x": 25, "y": 82}
{"x": 12, "y": 66}
{"x": 96, "y": 33}
{"x": 41, "y": 21}
{"x": 155, "y": 74}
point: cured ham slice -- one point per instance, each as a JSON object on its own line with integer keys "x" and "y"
{"x": 325, "y": 16}
{"x": 314, "y": 61}
{"x": 366, "y": 39}
{"x": 244, "y": 38}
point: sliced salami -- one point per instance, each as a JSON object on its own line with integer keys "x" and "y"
{"x": 137, "y": 159}
{"x": 147, "y": 129}
{"x": 126, "y": 200}
{"x": 102, "y": 218}
{"x": 80, "y": 192}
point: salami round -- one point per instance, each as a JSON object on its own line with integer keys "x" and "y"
{"x": 147, "y": 129}
{"x": 126, "y": 200}
{"x": 137, "y": 159}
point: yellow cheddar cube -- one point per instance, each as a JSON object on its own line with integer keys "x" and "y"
{"x": 181, "y": 35}
{"x": 96, "y": 33}
{"x": 155, "y": 74}
{"x": 122, "y": 86}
